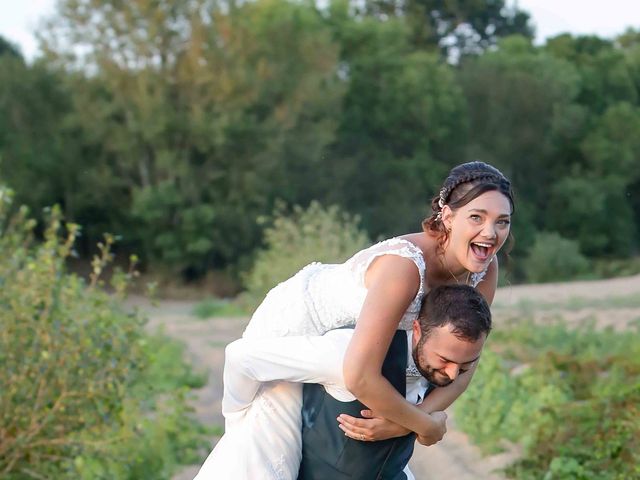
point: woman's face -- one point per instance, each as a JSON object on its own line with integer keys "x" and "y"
{"x": 477, "y": 230}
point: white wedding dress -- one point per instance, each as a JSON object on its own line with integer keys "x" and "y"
{"x": 262, "y": 441}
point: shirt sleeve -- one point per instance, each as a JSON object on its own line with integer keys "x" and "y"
{"x": 308, "y": 359}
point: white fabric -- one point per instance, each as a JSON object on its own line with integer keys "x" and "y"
{"x": 262, "y": 440}
{"x": 321, "y": 297}
{"x": 252, "y": 364}
{"x": 306, "y": 359}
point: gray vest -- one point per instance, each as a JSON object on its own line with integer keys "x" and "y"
{"x": 328, "y": 454}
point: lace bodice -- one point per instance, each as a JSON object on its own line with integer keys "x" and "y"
{"x": 322, "y": 297}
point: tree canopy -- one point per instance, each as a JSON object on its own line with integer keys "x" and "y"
{"x": 179, "y": 124}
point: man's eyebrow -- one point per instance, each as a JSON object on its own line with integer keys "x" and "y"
{"x": 482, "y": 210}
{"x": 458, "y": 363}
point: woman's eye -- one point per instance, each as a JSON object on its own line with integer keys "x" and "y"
{"x": 475, "y": 218}
{"x": 504, "y": 222}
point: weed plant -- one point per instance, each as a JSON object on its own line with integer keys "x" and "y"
{"x": 570, "y": 397}
{"x": 80, "y": 389}
{"x": 295, "y": 239}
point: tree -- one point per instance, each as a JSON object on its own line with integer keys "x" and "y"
{"x": 518, "y": 96}
{"x": 403, "y": 115}
{"x": 192, "y": 105}
{"x": 605, "y": 73}
{"x": 459, "y": 27}
{"x": 8, "y": 48}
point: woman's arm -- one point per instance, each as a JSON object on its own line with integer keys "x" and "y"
{"x": 392, "y": 283}
{"x": 377, "y": 426}
{"x": 443, "y": 397}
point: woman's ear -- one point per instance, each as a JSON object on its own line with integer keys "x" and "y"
{"x": 447, "y": 216}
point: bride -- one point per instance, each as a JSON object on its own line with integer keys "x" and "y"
{"x": 378, "y": 290}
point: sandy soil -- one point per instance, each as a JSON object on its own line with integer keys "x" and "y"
{"x": 454, "y": 457}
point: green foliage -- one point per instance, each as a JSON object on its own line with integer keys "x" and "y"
{"x": 294, "y": 240}
{"x": 554, "y": 258}
{"x": 494, "y": 85}
{"x": 569, "y": 397}
{"x": 402, "y": 127}
{"x": 608, "y": 268}
{"x": 159, "y": 209}
{"x": 81, "y": 381}
{"x": 8, "y": 48}
{"x": 216, "y": 307}
{"x": 460, "y": 28}
{"x": 179, "y": 123}
{"x": 167, "y": 370}
{"x": 187, "y": 113}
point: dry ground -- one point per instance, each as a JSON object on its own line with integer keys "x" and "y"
{"x": 610, "y": 302}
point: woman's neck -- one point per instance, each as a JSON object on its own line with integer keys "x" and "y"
{"x": 442, "y": 268}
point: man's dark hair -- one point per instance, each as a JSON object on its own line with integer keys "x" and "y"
{"x": 461, "y": 306}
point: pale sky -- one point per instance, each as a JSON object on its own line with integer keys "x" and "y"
{"x": 19, "y": 18}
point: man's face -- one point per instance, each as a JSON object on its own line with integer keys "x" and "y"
{"x": 442, "y": 356}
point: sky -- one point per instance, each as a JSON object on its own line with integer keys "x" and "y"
{"x": 18, "y": 19}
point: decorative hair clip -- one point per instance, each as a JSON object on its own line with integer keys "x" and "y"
{"x": 441, "y": 200}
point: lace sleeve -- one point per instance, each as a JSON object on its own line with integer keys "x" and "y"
{"x": 360, "y": 262}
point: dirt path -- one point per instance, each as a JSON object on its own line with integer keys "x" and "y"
{"x": 453, "y": 458}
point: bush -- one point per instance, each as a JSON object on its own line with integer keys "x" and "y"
{"x": 554, "y": 258}
{"x": 76, "y": 398}
{"x": 215, "y": 307}
{"x": 609, "y": 268}
{"x": 293, "y": 241}
{"x": 571, "y": 398}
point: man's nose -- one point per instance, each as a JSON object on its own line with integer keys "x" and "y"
{"x": 452, "y": 370}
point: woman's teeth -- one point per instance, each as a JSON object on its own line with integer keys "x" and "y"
{"x": 481, "y": 250}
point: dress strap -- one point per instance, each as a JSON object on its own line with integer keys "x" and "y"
{"x": 361, "y": 261}
{"x": 476, "y": 278}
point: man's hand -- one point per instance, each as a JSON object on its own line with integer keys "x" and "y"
{"x": 436, "y": 434}
{"x": 370, "y": 428}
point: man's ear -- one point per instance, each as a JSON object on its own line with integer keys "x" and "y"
{"x": 417, "y": 332}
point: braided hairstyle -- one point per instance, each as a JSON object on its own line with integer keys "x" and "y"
{"x": 463, "y": 184}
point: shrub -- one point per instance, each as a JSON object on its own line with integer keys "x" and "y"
{"x": 76, "y": 401}
{"x": 292, "y": 241}
{"x": 554, "y": 258}
{"x": 608, "y": 268}
{"x": 570, "y": 397}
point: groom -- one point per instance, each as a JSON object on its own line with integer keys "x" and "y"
{"x": 446, "y": 339}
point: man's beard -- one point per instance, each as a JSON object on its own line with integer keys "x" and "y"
{"x": 431, "y": 374}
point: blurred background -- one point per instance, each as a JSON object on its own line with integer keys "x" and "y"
{"x": 177, "y": 125}
{"x": 220, "y": 146}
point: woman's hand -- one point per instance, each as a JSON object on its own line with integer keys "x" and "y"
{"x": 370, "y": 428}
